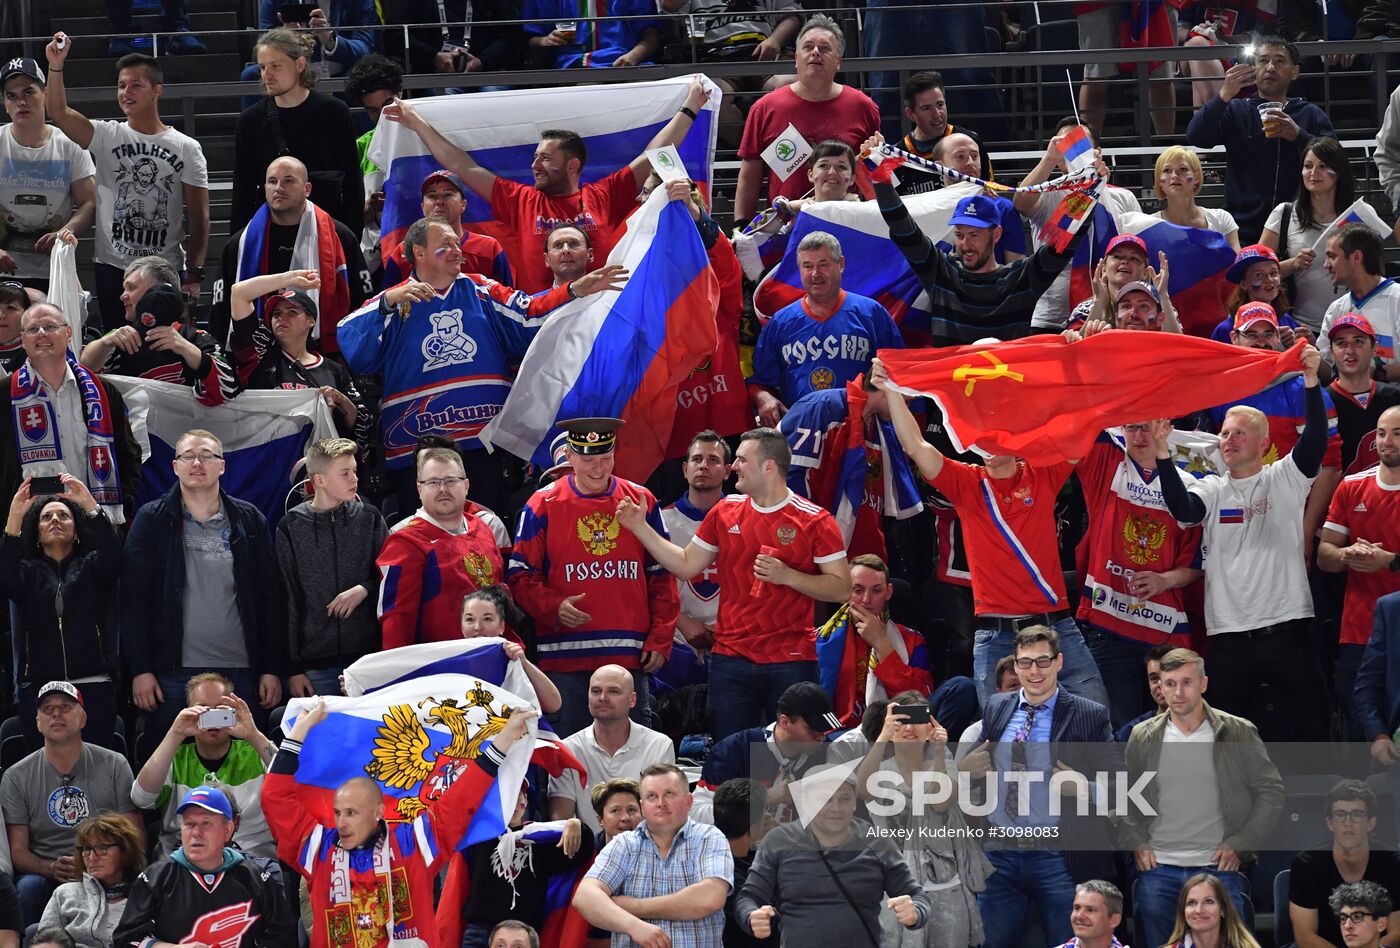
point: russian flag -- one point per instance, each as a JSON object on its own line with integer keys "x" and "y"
{"x": 1232, "y": 515}
{"x": 502, "y": 129}
{"x": 623, "y": 353}
{"x": 482, "y": 659}
{"x": 264, "y": 434}
{"x": 1078, "y": 149}
{"x": 883, "y": 273}
{"x": 1196, "y": 259}
{"x": 414, "y": 738}
{"x": 1358, "y": 213}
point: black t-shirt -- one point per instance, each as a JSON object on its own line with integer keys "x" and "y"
{"x": 1315, "y": 876}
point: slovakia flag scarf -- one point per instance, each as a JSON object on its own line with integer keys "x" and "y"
{"x": 36, "y": 431}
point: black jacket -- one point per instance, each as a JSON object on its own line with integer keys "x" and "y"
{"x": 84, "y": 641}
{"x": 153, "y": 581}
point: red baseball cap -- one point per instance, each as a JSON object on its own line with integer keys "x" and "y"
{"x": 1248, "y": 257}
{"x": 1131, "y": 240}
{"x": 1256, "y": 312}
{"x": 1355, "y": 321}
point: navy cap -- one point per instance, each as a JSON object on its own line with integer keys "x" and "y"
{"x": 977, "y": 211}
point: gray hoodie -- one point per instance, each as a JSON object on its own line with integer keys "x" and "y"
{"x": 81, "y": 907}
{"x": 321, "y": 554}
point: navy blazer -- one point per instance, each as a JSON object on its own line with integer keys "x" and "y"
{"x": 1086, "y": 841}
{"x": 1075, "y": 718}
{"x": 1378, "y": 679}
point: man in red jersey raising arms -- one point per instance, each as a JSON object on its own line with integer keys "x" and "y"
{"x": 778, "y": 554}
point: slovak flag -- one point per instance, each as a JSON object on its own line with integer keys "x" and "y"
{"x": 623, "y": 353}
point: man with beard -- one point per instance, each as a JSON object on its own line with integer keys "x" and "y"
{"x": 1361, "y": 533}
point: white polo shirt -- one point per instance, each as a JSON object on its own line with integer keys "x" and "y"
{"x": 644, "y": 747}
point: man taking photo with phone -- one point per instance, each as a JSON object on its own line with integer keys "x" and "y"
{"x": 227, "y": 746}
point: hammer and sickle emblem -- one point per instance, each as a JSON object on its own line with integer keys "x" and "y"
{"x": 972, "y": 374}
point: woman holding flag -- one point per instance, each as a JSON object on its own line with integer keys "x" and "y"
{"x": 1297, "y": 229}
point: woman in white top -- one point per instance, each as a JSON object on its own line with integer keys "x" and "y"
{"x": 1179, "y": 180}
{"x": 1326, "y": 188}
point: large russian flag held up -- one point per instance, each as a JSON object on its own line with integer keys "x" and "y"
{"x": 414, "y": 739}
{"x": 882, "y": 272}
{"x": 501, "y": 130}
{"x": 264, "y": 434}
{"x": 480, "y": 659}
{"x": 623, "y": 353}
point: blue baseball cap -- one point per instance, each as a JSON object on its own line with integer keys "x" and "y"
{"x": 208, "y": 798}
{"x": 977, "y": 211}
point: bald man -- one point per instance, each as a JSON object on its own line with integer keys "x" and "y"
{"x": 269, "y": 244}
{"x": 1361, "y": 537}
{"x": 343, "y": 866}
{"x": 613, "y": 746}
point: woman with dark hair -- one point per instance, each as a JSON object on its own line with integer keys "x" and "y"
{"x": 1205, "y": 916}
{"x": 110, "y": 855}
{"x": 1326, "y": 188}
{"x": 488, "y": 613}
{"x": 59, "y": 564}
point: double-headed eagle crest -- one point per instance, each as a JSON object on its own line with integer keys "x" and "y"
{"x": 399, "y": 748}
{"x": 599, "y": 533}
{"x": 1143, "y": 538}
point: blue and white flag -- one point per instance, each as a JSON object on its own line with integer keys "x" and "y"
{"x": 264, "y": 434}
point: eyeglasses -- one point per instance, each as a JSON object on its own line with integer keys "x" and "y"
{"x": 1044, "y": 661}
{"x": 437, "y": 483}
{"x": 1355, "y": 918}
{"x": 1349, "y": 816}
{"x": 98, "y": 849}
{"x": 50, "y": 329}
{"x": 203, "y": 457}
{"x": 1131, "y": 429}
{"x": 1256, "y": 336}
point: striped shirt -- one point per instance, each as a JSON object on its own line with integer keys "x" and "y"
{"x": 632, "y": 865}
{"x": 969, "y": 306}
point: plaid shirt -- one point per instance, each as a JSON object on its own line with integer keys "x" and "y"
{"x": 632, "y": 865}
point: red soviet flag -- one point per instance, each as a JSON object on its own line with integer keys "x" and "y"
{"x": 1046, "y": 400}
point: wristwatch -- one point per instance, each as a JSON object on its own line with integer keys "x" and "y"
{"x": 193, "y": 274}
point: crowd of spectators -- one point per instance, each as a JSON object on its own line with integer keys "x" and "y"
{"x": 1029, "y": 618}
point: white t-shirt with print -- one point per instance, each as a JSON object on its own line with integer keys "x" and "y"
{"x": 140, "y": 194}
{"x": 35, "y": 196}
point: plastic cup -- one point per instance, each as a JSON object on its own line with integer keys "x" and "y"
{"x": 1269, "y": 115}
